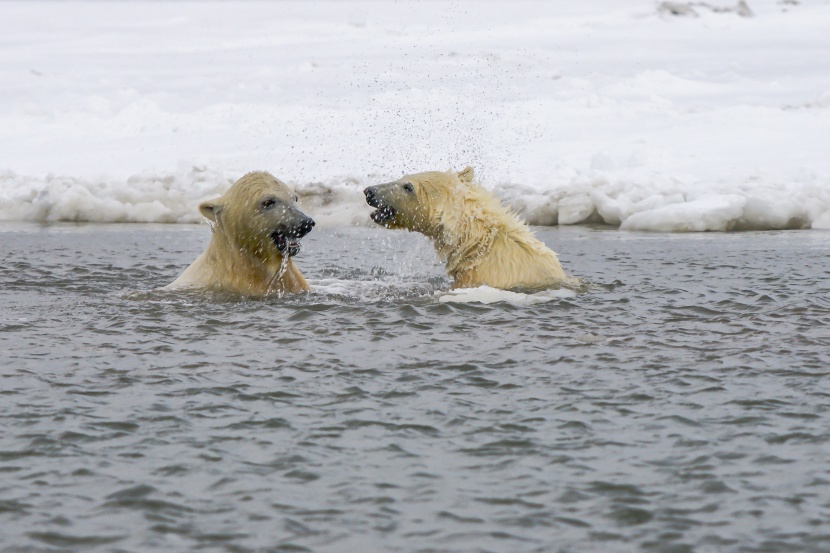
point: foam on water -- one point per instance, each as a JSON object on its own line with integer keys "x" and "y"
{"x": 369, "y": 291}
{"x": 488, "y": 295}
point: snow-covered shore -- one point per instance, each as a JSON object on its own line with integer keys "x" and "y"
{"x": 601, "y": 111}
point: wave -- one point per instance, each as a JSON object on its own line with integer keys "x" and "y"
{"x": 636, "y": 201}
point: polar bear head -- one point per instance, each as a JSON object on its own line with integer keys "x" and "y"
{"x": 258, "y": 216}
{"x": 416, "y": 202}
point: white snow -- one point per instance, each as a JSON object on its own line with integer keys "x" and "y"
{"x": 598, "y": 111}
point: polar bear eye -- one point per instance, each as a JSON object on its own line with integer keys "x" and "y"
{"x": 268, "y": 203}
{"x": 296, "y": 199}
{"x": 408, "y": 187}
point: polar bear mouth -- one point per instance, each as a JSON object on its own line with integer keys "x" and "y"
{"x": 382, "y": 214}
{"x": 289, "y": 246}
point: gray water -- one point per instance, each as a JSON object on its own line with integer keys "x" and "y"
{"x": 680, "y": 405}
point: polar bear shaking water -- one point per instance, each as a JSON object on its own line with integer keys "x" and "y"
{"x": 479, "y": 240}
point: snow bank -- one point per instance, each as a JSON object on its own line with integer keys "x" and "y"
{"x": 591, "y": 112}
{"x": 143, "y": 198}
{"x": 638, "y": 204}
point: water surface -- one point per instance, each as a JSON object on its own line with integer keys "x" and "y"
{"x": 681, "y": 405}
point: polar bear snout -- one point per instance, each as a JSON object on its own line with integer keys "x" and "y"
{"x": 287, "y": 235}
{"x": 293, "y": 223}
{"x": 371, "y": 196}
{"x": 384, "y": 211}
{"x": 302, "y": 228}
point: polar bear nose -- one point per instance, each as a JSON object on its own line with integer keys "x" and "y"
{"x": 305, "y": 226}
{"x": 371, "y": 196}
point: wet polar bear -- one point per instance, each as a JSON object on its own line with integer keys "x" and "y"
{"x": 480, "y": 240}
{"x": 256, "y": 231}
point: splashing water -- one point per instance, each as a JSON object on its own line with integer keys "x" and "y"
{"x": 277, "y": 277}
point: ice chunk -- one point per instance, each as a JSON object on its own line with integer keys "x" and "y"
{"x": 578, "y": 208}
{"x": 717, "y": 213}
{"x": 760, "y": 213}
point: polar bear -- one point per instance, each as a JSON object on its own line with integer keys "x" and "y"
{"x": 256, "y": 231}
{"x": 480, "y": 241}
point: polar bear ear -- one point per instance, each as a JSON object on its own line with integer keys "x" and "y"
{"x": 467, "y": 175}
{"x": 211, "y": 209}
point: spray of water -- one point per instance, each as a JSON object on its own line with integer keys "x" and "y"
{"x": 275, "y": 280}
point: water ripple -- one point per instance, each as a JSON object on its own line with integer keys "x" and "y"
{"x": 669, "y": 408}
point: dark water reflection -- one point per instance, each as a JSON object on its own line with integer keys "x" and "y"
{"x": 682, "y": 405}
